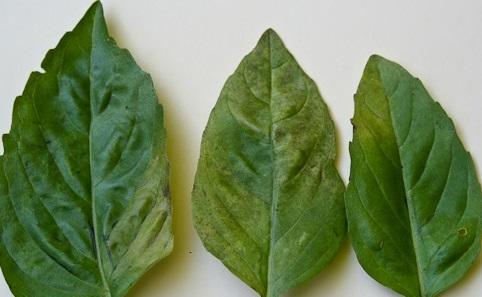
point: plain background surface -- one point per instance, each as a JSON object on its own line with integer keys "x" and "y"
{"x": 191, "y": 47}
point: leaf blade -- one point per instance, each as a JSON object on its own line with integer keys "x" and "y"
{"x": 250, "y": 179}
{"x": 88, "y": 139}
{"x": 429, "y": 158}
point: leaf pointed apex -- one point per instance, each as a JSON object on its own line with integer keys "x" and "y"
{"x": 270, "y": 44}
{"x": 271, "y": 33}
{"x": 390, "y": 72}
{"x": 92, "y": 13}
{"x": 383, "y": 63}
{"x": 95, "y": 8}
{"x": 93, "y": 21}
{"x": 270, "y": 37}
{"x": 375, "y": 58}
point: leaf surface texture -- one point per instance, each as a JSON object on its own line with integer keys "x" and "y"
{"x": 413, "y": 200}
{"x": 84, "y": 194}
{"x": 268, "y": 200}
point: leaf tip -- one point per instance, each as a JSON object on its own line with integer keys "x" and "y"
{"x": 270, "y": 35}
{"x": 383, "y": 63}
{"x": 376, "y": 59}
{"x": 96, "y": 6}
{"x": 269, "y": 31}
{"x": 95, "y": 14}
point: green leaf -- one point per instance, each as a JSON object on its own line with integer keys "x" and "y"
{"x": 413, "y": 201}
{"x": 84, "y": 196}
{"x": 268, "y": 200}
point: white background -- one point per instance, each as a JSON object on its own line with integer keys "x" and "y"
{"x": 191, "y": 47}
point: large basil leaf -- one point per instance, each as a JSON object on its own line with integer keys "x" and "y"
{"x": 413, "y": 200}
{"x": 84, "y": 197}
{"x": 268, "y": 200}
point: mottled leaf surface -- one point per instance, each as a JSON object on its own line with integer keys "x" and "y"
{"x": 84, "y": 199}
{"x": 268, "y": 200}
{"x": 413, "y": 201}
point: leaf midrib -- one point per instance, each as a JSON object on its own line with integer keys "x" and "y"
{"x": 274, "y": 198}
{"x": 92, "y": 184}
{"x": 410, "y": 210}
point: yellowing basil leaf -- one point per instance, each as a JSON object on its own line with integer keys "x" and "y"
{"x": 84, "y": 197}
{"x": 413, "y": 201}
{"x": 268, "y": 200}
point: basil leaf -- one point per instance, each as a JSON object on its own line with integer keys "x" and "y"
{"x": 84, "y": 197}
{"x": 413, "y": 201}
{"x": 268, "y": 200}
